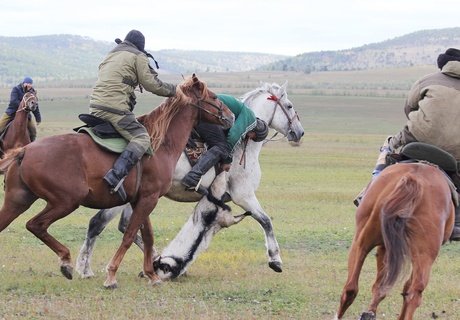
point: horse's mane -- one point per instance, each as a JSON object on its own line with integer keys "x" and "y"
{"x": 273, "y": 89}
{"x": 158, "y": 120}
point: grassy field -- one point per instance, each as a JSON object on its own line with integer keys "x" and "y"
{"x": 307, "y": 190}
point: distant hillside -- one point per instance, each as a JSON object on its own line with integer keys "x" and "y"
{"x": 418, "y": 48}
{"x": 71, "y": 57}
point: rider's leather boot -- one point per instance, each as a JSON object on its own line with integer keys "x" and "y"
{"x": 455, "y": 236}
{"x": 115, "y": 176}
{"x": 379, "y": 166}
{"x": 192, "y": 180}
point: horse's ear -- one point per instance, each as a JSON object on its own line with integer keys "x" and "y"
{"x": 284, "y": 86}
{"x": 196, "y": 83}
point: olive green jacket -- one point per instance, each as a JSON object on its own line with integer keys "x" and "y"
{"x": 433, "y": 109}
{"x": 122, "y": 70}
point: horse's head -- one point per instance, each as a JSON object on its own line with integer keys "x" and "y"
{"x": 270, "y": 103}
{"x": 29, "y": 101}
{"x": 211, "y": 108}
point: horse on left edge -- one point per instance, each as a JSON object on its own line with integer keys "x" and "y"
{"x": 67, "y": 170}
{"x": 16, "y": 133}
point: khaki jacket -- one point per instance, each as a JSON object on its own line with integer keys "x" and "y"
{"x": 122, "y": 70}
{"x": 433, "y": 109}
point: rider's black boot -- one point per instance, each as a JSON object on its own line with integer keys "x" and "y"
{"x": 206, "y": 162}
{"x": 115, "y": 176}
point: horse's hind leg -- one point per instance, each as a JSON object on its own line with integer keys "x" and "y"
{"x": 413, "y": 288}
{"x": 358, "y": 252}
{"x": 378, "y": 291}
{"x": 17, "y": 200}
{"x": 96, "y": 225}
{"x": 39, "y": 224}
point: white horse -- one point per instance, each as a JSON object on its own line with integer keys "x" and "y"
{"x": 269, "y": 103}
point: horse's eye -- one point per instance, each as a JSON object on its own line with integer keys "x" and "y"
{"x": 289, "y": 106}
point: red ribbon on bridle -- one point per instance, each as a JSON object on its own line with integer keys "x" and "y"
{"x": 273, "y": 98}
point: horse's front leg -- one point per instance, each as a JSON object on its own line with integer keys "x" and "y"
{"x": 141, "y": 211}
{"x": 96, "y": 225}
{"x": 147, "y": 237}
{"x": 251, "y": 204}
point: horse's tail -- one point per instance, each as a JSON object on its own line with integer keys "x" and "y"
{"x": 396, "y": 212}
{"x": 10, "y": 156}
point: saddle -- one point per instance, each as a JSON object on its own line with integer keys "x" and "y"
{"x": 427, "y": 153}
{"x": 105, "y": 135}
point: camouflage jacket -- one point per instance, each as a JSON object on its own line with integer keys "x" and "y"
{"x": 122, "y": 70}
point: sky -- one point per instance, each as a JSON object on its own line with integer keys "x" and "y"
{"x": 286, "y": 27}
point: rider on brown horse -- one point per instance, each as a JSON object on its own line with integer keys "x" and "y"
{"x": 17, "y": 93}
{"x": 432, "y": 110}
{"x": 113, "y": 99}
{"x": 221, "y": 143}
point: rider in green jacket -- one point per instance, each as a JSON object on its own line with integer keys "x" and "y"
{"x": 222, "y": 143}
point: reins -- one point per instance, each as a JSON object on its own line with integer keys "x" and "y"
{"x": 26, "y": 102}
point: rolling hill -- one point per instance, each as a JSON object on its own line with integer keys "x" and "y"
{"x": 73, "y": 60}
{"x": 417, "y": 48}
{"x": 71, "y": 57}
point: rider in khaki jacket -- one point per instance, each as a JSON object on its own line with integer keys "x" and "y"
{"x": 433, "y": 112}
{"x": 113, "y": 99}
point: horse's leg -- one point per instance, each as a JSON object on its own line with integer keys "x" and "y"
{"x": 358, "y": 252}
{"x": 413, "y": 289}
{"x": 378, "y": 292}
{"x": 39, "y": 224}
{"x": 140, "y": 213}
{"x": 123, "y": 224}
{"x": 96, "y": 225}
{"x": 17, "y": 200}
{"x": 251, "y": 204}
{"x": 226, "y": 219}
{"x": 147, "y": 237}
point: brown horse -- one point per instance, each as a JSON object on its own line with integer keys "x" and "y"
{"x": 67, "y": 170}
{"x": 17, "y": 133}
{"x": 407, "y": 213}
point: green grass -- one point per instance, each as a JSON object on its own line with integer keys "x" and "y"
{"x": 306, "y": 190}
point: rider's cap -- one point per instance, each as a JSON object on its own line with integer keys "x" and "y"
{"x": 28, "y": 80}
{"x": 137, "y": 38}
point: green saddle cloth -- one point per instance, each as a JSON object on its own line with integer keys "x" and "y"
{"x": 116, "y": 145}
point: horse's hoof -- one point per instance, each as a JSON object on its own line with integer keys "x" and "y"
{"x": 111, "y": 286}
{"x": 369, "y": 315}
{"x": 156, "y": 282}
{"x": 141, "y": 274}
{"x": 67, "y": 271}
{"x": 275, "y": 266}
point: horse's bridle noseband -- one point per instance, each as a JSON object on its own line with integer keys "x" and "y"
{"x": 220, "y": 109}
{"x": 26, "y": 102}
{"x": 277, "y": 101}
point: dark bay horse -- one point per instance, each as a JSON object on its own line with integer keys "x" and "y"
{"x": 17, "y": 133}
{"x": 66, "y": 171}
{"x": 407, "y": 213}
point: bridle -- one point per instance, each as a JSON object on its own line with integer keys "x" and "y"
{"x": 277, "y": 101}
{"x": 26, "y": 100}
{"x": 220, "y": 109}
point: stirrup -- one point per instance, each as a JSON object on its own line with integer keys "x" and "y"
{"x": 455, "y": 236}
{"x": 198, "y": 188}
